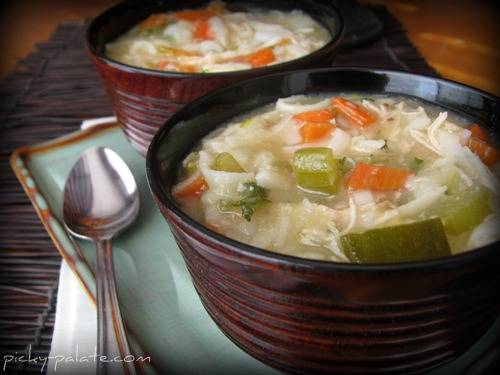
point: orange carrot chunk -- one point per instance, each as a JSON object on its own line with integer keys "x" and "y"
{"x": 375, "y": 177}
{"x": 185, "y": 68}
{"x": 479, "y": 133}
{"x": 153, "y": 21}
{"x": 322, "y": 115}
{"x": 194, "y": 15}
{"x": 258, "y": 58}
{"x": 312, "y": 131}
{"x": 487, "y": 153}
{"x": 202, "y": 30}
{"x": 161, "y": 64}
{"x": 193, "y": 187}
{"x": 353, "y": 112}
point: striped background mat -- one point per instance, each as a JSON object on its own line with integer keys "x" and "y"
{"x": 49, "y": 94}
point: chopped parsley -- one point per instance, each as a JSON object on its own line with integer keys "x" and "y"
{"x": 251, "y": 196}
{"x": 417, "y": 165}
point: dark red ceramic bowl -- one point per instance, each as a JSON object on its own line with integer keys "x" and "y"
{"x": 306, "y": 316}
{"x": 143, "y": 99}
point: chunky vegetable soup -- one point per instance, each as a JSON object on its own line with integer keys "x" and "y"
{"x": 347, "y": 178}
{"x": 216, "y": 40}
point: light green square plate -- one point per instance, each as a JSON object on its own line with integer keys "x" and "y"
{"x": 164, "y": 316}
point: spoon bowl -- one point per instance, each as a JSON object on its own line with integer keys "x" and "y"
{"x": 100, "y": 200}
{"x": 100, "y": 196}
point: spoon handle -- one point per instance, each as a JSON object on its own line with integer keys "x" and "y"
{"x": 111, "y": 337}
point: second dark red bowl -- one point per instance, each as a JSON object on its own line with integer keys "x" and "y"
{"x": 144, "y": 99}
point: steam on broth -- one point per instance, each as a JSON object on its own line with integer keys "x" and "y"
{"x": 347, "y": 178}
{"x": 215, "y": 39}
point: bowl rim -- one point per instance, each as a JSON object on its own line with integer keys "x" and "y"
{"x": 265, "y": 70}
{"x": 268, "y": 256}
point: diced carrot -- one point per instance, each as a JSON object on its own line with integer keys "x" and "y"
{"x": 374, "y": 177}
{"x": 312, "y": 131}
{"x": 353, "y": 112}
{"x": 258, "y": 58}
{"x": 487, "y": 153}
{"x": 479, "y": 133}
{"x": 188, "y": 68}
{"x": 193, "y": 187}
{"x": 322, "y": 115}
{"x": 154, "y": 20}
{"x": 202, "y": 30}
{"x": 161, "y": 64}
{"x": 194, "y": 15}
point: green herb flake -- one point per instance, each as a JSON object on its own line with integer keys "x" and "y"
{"x": 247, "y": 212}
{"x": 416, "y": 164}
{"x": 252, "y": 195}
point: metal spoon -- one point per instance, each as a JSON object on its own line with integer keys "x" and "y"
{"x": 101, "y": 200}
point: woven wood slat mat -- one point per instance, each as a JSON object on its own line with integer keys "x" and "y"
{"x": 51, "y": 91}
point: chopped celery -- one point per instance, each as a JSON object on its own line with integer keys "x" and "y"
{"x": 227, "y": 163}
{"x": 454, "y": 183}
{"x": 283, "y": 166}
{"x": 399, "y": 243}
{"x": 463, "y": 211}
{"x": 190, "y": 164}
{"x": 246, "y": 123}
{"x": 316, "y": 169}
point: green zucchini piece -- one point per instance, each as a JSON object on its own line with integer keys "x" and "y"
{"x": 399, "y": 243}
{"x": 462, "y": 211}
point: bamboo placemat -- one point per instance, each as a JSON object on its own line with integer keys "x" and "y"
{"x": 49, "y": 94}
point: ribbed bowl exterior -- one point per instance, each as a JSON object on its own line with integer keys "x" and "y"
{"x": 143, "y": 99}
{"x": 306, "y": 316}
{"x": 306, "y": 321}
{"x": 143, "y": 102}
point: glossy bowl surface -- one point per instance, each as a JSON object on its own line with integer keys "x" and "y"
{"x": 306, "y": 316}
{"x": 143, "y": 99}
